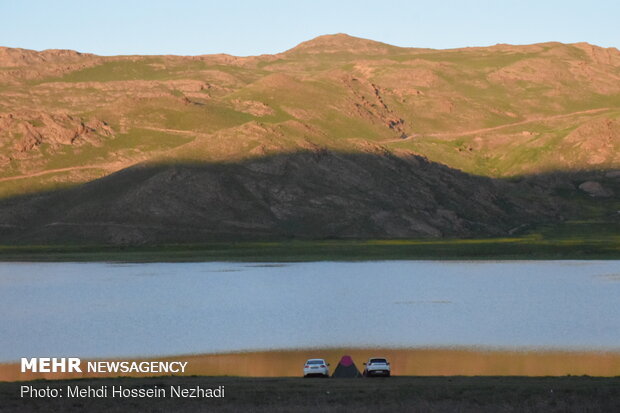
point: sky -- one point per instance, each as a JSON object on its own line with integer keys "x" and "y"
{"x": 245, "y": 28}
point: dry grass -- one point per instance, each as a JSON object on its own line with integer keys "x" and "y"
{"x": 405, "y": 362}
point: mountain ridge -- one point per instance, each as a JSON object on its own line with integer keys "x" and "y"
{"x": 343, "y": 40}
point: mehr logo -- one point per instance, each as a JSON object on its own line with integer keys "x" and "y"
{"x": 51, "y": 365}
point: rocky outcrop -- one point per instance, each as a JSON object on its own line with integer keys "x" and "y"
{"x": 595, "y": 189}
{"x": 252, "y": 107}
{"x": 368, "y": 103}
{"x": 27, "y": 131}
{"x": 13, "y": 57}
{"x": 593, "y": 144}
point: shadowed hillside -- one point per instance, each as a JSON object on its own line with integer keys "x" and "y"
{"x": 307, "y": 195}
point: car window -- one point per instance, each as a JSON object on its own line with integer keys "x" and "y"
{"x": 315, "y": 362}
{"x": 378, "y": 360}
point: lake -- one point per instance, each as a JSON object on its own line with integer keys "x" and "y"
{"x": 110, "y": 310}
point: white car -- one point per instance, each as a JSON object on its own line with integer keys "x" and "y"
{"x": 377, "y": 367}
{"x": 316, "y": 367}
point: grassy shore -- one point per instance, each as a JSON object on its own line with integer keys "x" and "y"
{"x": 528, "y": 247}
{"x": 404, "y": 361}
{"x": 428, "y": 394}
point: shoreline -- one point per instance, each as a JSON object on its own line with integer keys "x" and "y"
{"x": 530, "y": 248}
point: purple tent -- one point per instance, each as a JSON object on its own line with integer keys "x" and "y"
{"x": 346, "y": 368}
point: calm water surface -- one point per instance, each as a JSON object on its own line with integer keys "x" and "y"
{"x": 112, "y": 310}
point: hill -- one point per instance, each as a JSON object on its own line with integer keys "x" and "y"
{"x": 546, "y": 115}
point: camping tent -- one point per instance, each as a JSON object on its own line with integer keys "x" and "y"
{"x": 346, "y": 368}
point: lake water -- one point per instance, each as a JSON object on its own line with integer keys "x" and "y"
{"x": 123, "y": 310}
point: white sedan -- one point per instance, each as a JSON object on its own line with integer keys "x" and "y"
{"x": 316, "y": 367}
{"x": 377, "y": 367}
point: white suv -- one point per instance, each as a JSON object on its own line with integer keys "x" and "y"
{"x": 316, "y": 367}
{"x": 377, "y": 367}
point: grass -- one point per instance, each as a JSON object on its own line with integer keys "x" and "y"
{"x": 535, "y": 246}
{"x": 470, "y": 59}
{"x": 48, "y": 182}
{"x": 170, "y": 114}
{"x": 147, "y": 68}
{"x": 116, "y": 70}
{"x": 517, "y": 155}
{"x": 137, "y": 139}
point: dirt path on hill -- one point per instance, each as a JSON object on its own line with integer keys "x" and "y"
{"x": 177, "y": 131}
{"x": 508, "y": 125}
{"x": 108, "y": 166}
{"x": 111, "y": 166}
